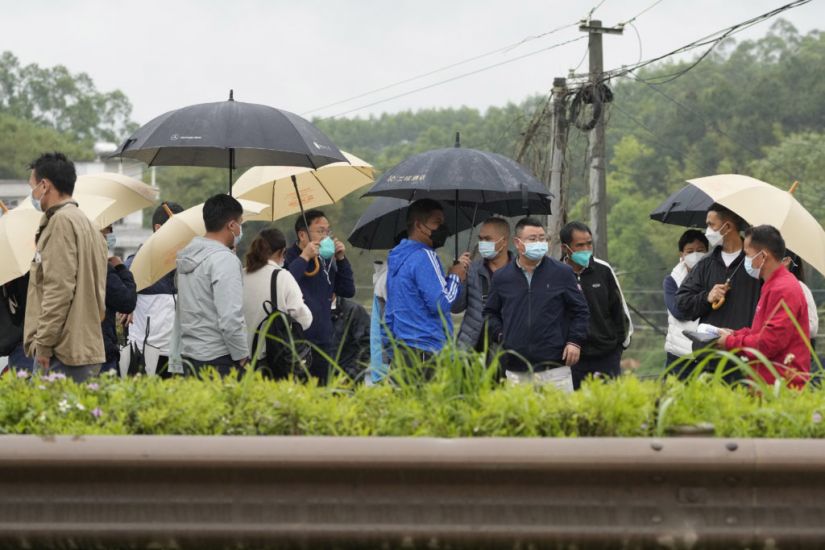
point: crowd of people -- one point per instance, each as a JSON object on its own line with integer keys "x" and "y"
{"x": 549, "y": 320}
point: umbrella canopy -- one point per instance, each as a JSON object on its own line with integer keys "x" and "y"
{"x": 17, "y": 230}
{"x": 386, "y": 218}
{"x": 477, "y": 177}
{"x": 229, "y": 134}
{"x": 494, "y": 182}
{"x": 273, "y": 185}
{"x": 128, "y": 195}
{"x": 687, "y": 207}
{"x": 761, "y": 203}
{"x": 94, "y": 206}
{"x": 157, "y": 256}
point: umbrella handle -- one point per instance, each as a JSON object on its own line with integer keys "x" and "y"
{"x": 313, "y": 272}
{"x": 718, "y": 303}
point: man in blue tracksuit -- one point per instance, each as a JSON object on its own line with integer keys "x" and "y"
{"x": 536, "y": 308}
{"x": 419, "y": 295}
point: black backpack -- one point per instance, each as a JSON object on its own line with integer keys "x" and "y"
{"x": 287, "y": 351}
{"x": 12, "y": 313}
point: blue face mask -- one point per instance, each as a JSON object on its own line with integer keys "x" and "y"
{"x": 36, "y": 202}
{"x": 327, "y": 248}
{"x": 111, "y": 241}
{"x": 582, "y": 257}
{"x": 752, "y": 271}
{"x": 535, "y": 251}
{"x": 487, "y": 249}
{"x": 238, "y": 237}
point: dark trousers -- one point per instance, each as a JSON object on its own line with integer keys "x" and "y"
{"x": 223, "y": 365}
{"x": 608, "y": 365}
{"x": 320, "y": 367}
{"x": 413, "y": 365}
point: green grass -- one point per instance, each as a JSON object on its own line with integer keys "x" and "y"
{"x": 462, "y": 399}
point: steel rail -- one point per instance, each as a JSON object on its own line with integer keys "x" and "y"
{"x": 321, "y": 492}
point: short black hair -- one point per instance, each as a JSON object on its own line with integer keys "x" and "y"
{"x": 58, "y": 169}
{"x": 220, "y": 210}
{"x": 767, "y": 237}
{"x": 498, "y": 222}
{"x": 566, "y": 233}
{"x": 692, "y": 235}
{"x": 729, "y": 216}
{"x": 160, "y": 216}
{"x": 420, "y": 211}
{"x": 302, "y": 222}
{"x": 527, "y": 222}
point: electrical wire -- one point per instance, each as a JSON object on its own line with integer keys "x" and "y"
{"x": 458, "y": 77}
{"x": 504, "y": 49}
{"x": 647, "y": 9}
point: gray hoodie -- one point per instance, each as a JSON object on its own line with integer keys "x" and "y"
{"x": 210, "y": 302}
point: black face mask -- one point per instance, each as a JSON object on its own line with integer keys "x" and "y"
{"x": 439, "y": 235}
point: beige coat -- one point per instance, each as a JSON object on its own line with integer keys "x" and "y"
{"x": 67, "y": 289}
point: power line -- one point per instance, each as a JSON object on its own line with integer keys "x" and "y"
{"x": 710, "y": 39}
{"x": 503, "y": 49}
{"x": 458, "y": 77}
{"x": 647, "y": 9}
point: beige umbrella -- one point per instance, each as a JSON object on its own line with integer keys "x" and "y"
{"x": 18, "y": 227}
{"x": 128, "y": 194}
{"x": 276, "y": 186}
{"x": 760, "y": 203}
{"x": 157, "y": 256}
{"x": 94, "y": 206}
{"x": 17, "y": 230}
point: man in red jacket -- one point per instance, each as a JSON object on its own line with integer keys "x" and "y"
{"x": 773, "y": 331}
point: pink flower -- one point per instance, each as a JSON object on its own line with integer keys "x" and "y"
{"x": 22, "y": 374}
{"x": 93, "y": 386}
{"x": 96, "y": 412}
{"x": 817, "y": 418}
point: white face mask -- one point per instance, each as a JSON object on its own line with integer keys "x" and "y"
{"x": 714, "y": 237}
{"x": 693, "y": 258}
{"x": 487, "y": 249}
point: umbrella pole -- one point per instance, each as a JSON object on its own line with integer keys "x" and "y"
{"x": 317, "y": 268}
{"x": 472, "y": 227}
{"x": 456, "y": 221}
{"x": 231, "y": 165}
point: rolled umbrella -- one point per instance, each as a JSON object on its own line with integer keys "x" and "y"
{"x": 230, "y": 134}
{"x": 492, "y": 181}
{"x": 385, "y": 220}
{"x": 281, "y": 187}
{"x": 760, "y": 203}
{"x": 158, "y": 254}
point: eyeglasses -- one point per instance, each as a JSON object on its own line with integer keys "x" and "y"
{"x": 326, "y": 231}
{"x": 534, "y": 239}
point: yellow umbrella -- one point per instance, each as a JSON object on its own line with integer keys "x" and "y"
{"x": 276, "y": 186}
{"x": 17, "y": 230}
{"x": 157, "y": 256}
{"x": 128, "y": 195}
{"x": 760, "y": 203}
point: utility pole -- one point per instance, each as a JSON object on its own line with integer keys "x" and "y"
{"x": 596, "y": 150}
{"x": 558, "y": 146}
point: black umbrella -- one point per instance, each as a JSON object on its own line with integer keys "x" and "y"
{"x": 493, "y": 182}
{"x": 687, "y": 207}
{"x": 229, "y": 134}
{"x": 381, "y": 224}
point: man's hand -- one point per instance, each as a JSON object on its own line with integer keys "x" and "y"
{"x": 43, "y": 362}
{"x": 461, "y": 267}
{"x": 124, "y": 319}
{"x": 717, "y": 293}
{"x": 114, "y": 261}
{"x": 311, "y": 251}
{"x": 723, "y": 338}
{"x": 571, "y": 354}
{"x": 244, "y": 362}
{"x": 340, "y": 250}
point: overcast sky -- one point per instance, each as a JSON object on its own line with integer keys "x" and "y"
{"x": 299, "y": 55}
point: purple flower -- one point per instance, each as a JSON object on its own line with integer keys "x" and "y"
{"x": 93, "y": 386}
{"x": 96, "y": 412}
{"x": 22, "y": 374}
{"x": 816, "y": 418}
{"x": 52, "y": 376}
